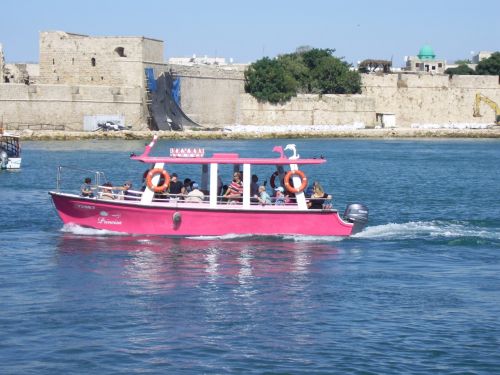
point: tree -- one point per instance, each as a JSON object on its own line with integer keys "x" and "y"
{"x": 332, "y": 76}
{"x": 293, "y": 63}
{"x": 267, "y": 80}
{"x": 489, "y": 66}
{"x": 462, "y": 69}
{"x": 308, "y": 70}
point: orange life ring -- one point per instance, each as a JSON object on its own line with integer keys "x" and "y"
{"x": 273, "y": 178}
{"x": 291, "y": 188}
{"x": 154, "y": 172}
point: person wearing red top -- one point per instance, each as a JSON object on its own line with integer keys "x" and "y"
{"x": 235, "y": 190}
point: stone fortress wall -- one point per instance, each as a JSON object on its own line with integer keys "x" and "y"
{"x": 432, "y": 99}
{"x": 85, "y": 76}
{"x": 414, "y": 99}
{"x": 81, "y": 76}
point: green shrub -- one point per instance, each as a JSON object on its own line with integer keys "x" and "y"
{"x": 489, "y": 66}
{"x": 462, "y": 69}
{"x": 307, "y": 71}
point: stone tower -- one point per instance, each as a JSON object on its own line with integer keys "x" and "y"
{"x": 75, "y": 59}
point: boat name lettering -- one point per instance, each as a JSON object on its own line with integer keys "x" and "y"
{"x": 187, "y": 152}
{"x": 84, "y": 206}
{"x": 104, "y": 220}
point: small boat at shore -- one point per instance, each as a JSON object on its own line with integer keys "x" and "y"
{"x": 151, "y": 211}
{"x": 10, "y": 151}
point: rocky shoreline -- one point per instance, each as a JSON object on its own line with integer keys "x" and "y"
{"x": 35, "y": 135}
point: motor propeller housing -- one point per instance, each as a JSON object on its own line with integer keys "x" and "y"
{"x": 357, "y": 214}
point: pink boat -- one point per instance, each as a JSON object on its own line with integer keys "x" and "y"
{"x": 147, "y": 212}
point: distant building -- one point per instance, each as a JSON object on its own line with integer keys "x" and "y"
{"x": 481, "y": 55}
{"x": 375, "y": 66}
{"x": 425, "y": 61}
{"x": 198, "y": 60}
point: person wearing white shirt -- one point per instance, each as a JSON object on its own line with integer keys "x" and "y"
{"x": 195, "y": 195}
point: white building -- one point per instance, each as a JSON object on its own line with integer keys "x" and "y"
{"x": 425, "y": 61}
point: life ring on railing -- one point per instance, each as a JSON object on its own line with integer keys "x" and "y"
{"x": 291, "y": 188}
{"x": 154, "y": 172}
{"x": 273, "y": 179}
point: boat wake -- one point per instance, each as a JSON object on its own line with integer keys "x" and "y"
{"x": 433, "y": 230}
{"x": 83, "y": 231}
{"x": 429, "y": 229}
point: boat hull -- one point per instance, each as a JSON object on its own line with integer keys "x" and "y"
{"x": 13, "y": 163}
{"x": 196, "y": 219}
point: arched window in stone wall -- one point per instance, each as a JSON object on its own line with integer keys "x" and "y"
{"x": 120, "y": 51}
{"x": 92, "y": 61}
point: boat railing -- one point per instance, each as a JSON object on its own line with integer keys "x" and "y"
{"x": 10, "y": 145}
{"x": 178, "y": 200}
{"x": 74, "y": 177}
{"x": 117, "y": 193}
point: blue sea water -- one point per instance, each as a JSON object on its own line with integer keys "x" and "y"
{"x": 417, "y": 292}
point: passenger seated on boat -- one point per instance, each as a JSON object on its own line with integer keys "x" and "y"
{"x": 262, "y": 197}
{"x": 309, "y": 191}
{"x": 162, "y": 194}
{"x": 319, "y": 199}
{"x": 195, "y": 195}
{"x": 144, "y": 176}
{"x": 235, "y": 189}
{"x": 254, "y": 186}
{"x": 86, "y": 188}
{"x": 279, "y": 199}
{"x": 125, "y": 193}
{"x": 187, "y": 185}
{"x": 221, "y": 188}
{"x": 107, "y": 191}
{"x": 176, "y": 188}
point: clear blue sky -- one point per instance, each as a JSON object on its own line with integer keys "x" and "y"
{"x": 249, "y": 30}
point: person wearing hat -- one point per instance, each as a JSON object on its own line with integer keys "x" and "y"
{"x": 195, "y": 195}
{"x": 279, "y": 199}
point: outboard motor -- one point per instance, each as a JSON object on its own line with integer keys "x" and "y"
{"x": 358, "y": 214}
{"x": 4, "y": 159}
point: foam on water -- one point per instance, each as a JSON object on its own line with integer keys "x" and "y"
{"x": 82, "y": 231}
{"x": 426, "y": 229}
{"x": 391, "y": 231}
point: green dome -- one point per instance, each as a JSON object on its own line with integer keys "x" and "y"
{"x": 426, "y": 53}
